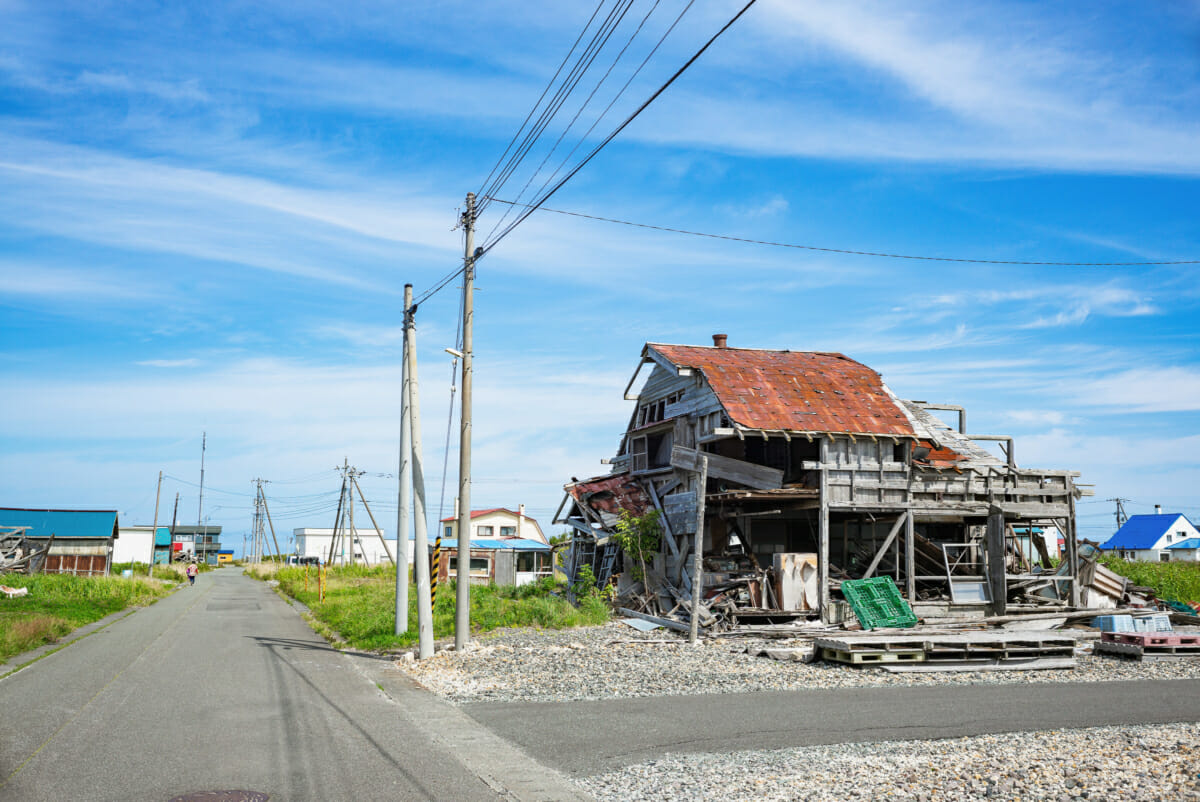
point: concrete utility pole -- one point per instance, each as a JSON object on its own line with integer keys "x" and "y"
{"x": 154, "y": 526}
{"x": 462, "y": 611}
{"x": 405, "y": 491}
{"x": 421, "y": 537}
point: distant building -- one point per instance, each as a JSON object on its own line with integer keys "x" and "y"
{"x": 368, "y": 548}
{"x": 83, "y": 539}
{"x": 498, "y": 523}
{"x": 1162, "y": 537}
{"x": 509, "y": 561}
{"x": 224, "y": 556}
{"x": 134, "y": 544}
{"x": 196, "y": 542}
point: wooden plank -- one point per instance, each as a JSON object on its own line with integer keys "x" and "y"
{"x": 994, "y": 541}
{"x": 758, "y": 477}
{"x": 668, "y": 533}
{"x": 680, "y": 510}
{"x": 887, "y": 542}
{"x": 823, "y": 535}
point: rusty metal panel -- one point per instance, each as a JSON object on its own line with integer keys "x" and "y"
{"x": 612, "y": 494}
{"x": 794, "y": 390}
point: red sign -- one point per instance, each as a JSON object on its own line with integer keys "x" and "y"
{"x": 176, "y": 547}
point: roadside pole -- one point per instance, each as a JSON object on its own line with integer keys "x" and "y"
{"x": 697, "y": 555}
{"x": 421, "y": 539}
{"x": 405, "y": 490}
{"x": 462, "y": 598}
{"x": 154, "y": 528}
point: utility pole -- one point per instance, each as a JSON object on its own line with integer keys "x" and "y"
{"x": 421, "y": 537}
{"x": 154, "y": 527}
{"x": 1122, "y": 518}
{"x": 405, "y": 490}
{"x": 174, "y": 522}
{"x": 462, "y": 599}
{"x": 203, "y": 448}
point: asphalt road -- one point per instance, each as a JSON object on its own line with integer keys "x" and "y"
{"x": 583, "y": 738}
{"x": 222, "y": 686}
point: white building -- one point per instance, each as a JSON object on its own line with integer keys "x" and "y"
{"x": 134, "y": 544}
{"x": 368, "y": 548}
{"x": 497, "y": 523}
{"x": 1156, "y": 538}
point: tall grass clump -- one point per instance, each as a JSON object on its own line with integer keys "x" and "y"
{"x": 1178, "y": 581}
{"x": 360, "y": 605}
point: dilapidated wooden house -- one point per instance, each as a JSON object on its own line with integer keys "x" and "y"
{"x": 816, "y": 473}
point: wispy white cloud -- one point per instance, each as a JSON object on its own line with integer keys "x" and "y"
{"x": 46, "y": 282}
{"x": 169, "y": 363}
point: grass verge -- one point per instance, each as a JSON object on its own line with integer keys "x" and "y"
{"x": 1178, "y": 581}
{"x": 360, "y": 605}
{"x": 60, "y": 603}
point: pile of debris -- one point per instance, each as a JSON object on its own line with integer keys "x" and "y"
{"x": 19, "y": 554}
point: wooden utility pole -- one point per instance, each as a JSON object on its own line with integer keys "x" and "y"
{"x": 421, "y": 537}
{"x": 462, "y": 599}
{"x": 405, "y": 490}
{"x": 698, "y": 552}
{"x": 337, "y": 522}
{"x": 378, "y": 532}
{"x": 154, "y": 527}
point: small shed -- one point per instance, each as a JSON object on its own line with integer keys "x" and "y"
{"x": 512, "y": 561}
{"x": 83, "y": 539}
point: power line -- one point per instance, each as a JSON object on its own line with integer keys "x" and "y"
{"x": 582, "y": 106}
{"x": 849, "y": 251}
{"x": 633, "y": 116}
{"x": 581, "y": 66}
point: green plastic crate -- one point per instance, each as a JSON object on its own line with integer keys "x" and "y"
{"x": 877, "y": 603}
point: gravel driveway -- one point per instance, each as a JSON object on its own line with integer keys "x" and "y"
{"x": 614, "y": 661}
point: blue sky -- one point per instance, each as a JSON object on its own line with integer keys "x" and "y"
{"x": 208, "y": 213}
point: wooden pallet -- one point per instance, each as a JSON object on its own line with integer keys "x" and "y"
{"x": 1151, "y": 639}
{"x": 960, "y": 646}
{"x": 1134, "y": 651}
{"x": 863, "y": 657}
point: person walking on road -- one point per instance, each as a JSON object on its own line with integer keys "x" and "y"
{"x": 191, "y": 572}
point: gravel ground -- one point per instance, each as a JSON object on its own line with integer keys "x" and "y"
{"x": 1131, "y": 763}
{"x": 577, "y": 664}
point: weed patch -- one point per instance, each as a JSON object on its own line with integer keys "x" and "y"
{"x": 360, "y": 605}
{"x": 1178, "y": 581}
{"x": 59, "y": 603}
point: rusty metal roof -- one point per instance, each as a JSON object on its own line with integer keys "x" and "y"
{"x": 797, "y": 391}
{"x": 612, "y": 494}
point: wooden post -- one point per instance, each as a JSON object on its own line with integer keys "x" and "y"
{"x": 154, "y": 528}
{"x": 910, "y": 557}
{"x": 823, "y": 532}
{"x": 1073, "y": 548}
{"x": 994, "y": 540}
{"x": 698, "y": 550}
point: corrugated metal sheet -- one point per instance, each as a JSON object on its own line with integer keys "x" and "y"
{"x": 947, "y": 447}
{"x": 797, "y": 391}
{"x": 62, "y": 523}
{"x": 612, "y": 494}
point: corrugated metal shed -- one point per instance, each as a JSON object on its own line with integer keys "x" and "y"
{"x": 62, "y": 523}
{"x": 795, "y": 391}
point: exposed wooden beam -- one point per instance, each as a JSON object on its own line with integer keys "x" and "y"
{"x": 758, "y": 477}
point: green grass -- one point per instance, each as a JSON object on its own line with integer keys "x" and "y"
{"x": 360, "y": 606}
{"x": 59, "y": 603}
{"x": 1178, "y": 581}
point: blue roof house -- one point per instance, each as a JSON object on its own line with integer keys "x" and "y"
{"x": 1162, "y": 537}
{"x": 83, "y": 539}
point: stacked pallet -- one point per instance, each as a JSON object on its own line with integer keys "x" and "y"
{"x": 951, "y": 651}
{"x": 1149, "y": 645}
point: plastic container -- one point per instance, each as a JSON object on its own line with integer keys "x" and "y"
{"x": 1114, "y": 623}
{"x": 1159, "y": 622}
